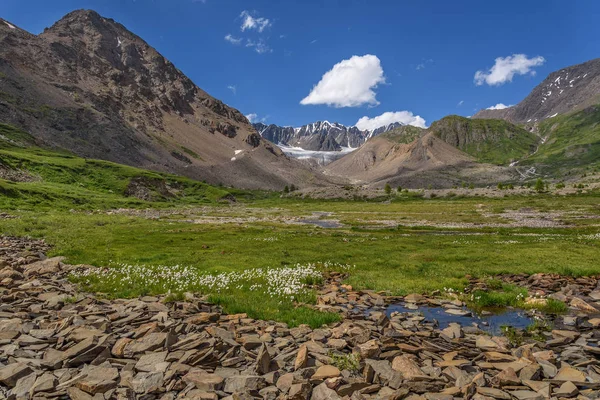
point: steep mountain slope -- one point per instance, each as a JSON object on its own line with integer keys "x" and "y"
{"x": 88, "y": 85}
{"x": 487, "y": 140}
{"x": 320, "y": 136}
{"x": 571, "y": 143}
{"x": 563, "y": 91}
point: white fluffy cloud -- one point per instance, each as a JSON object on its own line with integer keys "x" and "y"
{"x": 232, "y": 39}
{"x": 505, "y": 68}
{"x": 250, "y": 22}
{"x": 404, "y": 117}
{"x": 498, "y": 106}
{"x": 349, "y": 83}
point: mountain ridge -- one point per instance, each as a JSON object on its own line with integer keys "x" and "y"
{"x": 320, "y": 135}
{"x": 566, "y": 90}
{"x": 89, "y": 85}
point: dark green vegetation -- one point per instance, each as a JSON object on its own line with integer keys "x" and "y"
{"x": 491, "y": 141}
{"x": 501, "y": 295}
{"x": 572, "y": 142}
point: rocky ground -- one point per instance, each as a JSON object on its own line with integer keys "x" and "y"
{"x": 56, "y": 342}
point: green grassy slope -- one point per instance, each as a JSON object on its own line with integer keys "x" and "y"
{"x": 488, "y": 140}
{"x": 572, "y": 143}
{"x": 404, "y": 134}
{"x": 62, "y": 181}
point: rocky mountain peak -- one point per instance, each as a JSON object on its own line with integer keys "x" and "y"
{"x": 563, "y": 91}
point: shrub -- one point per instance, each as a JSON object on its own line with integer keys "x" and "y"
{"x": 560, "y": 185}
{"x": 286, "y": 189}
{"x": 349, "y": 362}
{"x": 399, "y": 189}
{"x": 388, "y": 188}
{"x": 540, "y": 186}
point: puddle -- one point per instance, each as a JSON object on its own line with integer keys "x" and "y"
{"x": 491, "y": 323}
{"x": 323, "y": 223}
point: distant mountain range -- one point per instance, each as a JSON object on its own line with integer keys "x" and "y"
{"x": 320, "y": 135}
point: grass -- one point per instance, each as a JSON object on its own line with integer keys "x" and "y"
{"x": 405, "y": 245}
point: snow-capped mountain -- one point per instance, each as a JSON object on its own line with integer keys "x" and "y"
{"x": 320, "y": 135}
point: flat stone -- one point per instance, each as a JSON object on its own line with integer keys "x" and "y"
{"x": 527, "y": 395}
{"x": 235, "y": 384}
{"x": 507, "y": 377}
{"x": 151, "y": 362}
{"x": 582, "y": 305}
{"x": 408, "y": 368}
{"x": 322, "y": 392}
{"x": 45, "y": 383}
{"x": 494, "y": 393}
{"x": 78, "y": 394}
{"x": 569, "y": 374}
{"x": 98, "y": 380}
{"x": 453, "y": 331}
{"x": 595, "y": 322}
{"x": 150, "y": 342}
{"x": 204, "y": 380}
{"x": 147, "y": 382}
{"x": 325, "y": 372}
{"x": 22, "y": 387}
{"x": 301, "y": 358}
{"x": 299, "y": 391}
{"x": 457, "y": 312}
{"x": 263, "y": 361}
{"x": 10, "y": 374}
{"x": 567, "y": 389}
{"x": 369, "y": 349}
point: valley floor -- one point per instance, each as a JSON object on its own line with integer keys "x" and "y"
{"x": 399, "y": 246}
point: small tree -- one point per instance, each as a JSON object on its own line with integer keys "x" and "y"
{"x": 388, "y": 189}
{"x": 293, "y": 188}
{"x": 540, "y": 186}
{"x": 399, "y": 189}
{"x": 286, "y": 189}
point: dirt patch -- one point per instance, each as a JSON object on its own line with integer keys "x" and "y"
{"x": 17, "y": 175}
{"x": 150, "y": 189}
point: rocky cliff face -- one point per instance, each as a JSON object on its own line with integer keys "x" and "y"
{"x": 569, "y": 89}
{"x": 488, "y": 140}
{"x": 321, "y": 135}
{"x": 90, "y": 86}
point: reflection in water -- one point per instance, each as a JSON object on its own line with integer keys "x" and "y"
{"x": 490, "y": 322}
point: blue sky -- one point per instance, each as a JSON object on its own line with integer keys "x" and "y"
{"x": 419, "y": 56}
